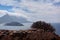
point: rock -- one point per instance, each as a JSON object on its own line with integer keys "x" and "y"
{"x": 35, "y": 35}
{"x": 14, "y": 24}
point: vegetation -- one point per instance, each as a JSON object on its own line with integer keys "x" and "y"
{"x": 43, "y": 25}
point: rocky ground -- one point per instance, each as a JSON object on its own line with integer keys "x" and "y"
{"x": 31, "y": 34}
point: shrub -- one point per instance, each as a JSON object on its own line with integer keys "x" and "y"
{"x": 43, "y": 25}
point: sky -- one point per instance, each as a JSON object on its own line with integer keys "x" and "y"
{"x": 32, "y": 10}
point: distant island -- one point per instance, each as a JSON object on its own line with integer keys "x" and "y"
{"x": 14, "y": 24}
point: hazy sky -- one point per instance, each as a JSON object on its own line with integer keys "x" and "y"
{"x": 33, "y": 10}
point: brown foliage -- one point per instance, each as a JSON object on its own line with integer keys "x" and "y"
{"x": 43, "y": 25}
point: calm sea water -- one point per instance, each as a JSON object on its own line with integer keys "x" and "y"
{"x": 25, "y": 27}
{"x": 57, "y": 27}
{"x": 28, "y": 25}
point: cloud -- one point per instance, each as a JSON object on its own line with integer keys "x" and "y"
{"x": 57, "y": 0}
{"x": 4, "y": 12}
{"x": 35, "y": 9}
{"x": 9, "y": 2}
{"x": 57, "y": 4}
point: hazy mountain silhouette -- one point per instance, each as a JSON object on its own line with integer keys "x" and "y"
{"x": 14, "y": 24}
{"x": 7, "y": 18}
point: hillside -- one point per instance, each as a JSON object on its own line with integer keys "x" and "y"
{"x": 31, "y": 34}
{"x": 7, "y": 18}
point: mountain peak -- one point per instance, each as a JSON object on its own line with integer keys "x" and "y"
{"x": 7, "y": 18}
{"x": 5, "y": 15}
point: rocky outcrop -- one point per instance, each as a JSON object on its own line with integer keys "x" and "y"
{"x": 32, "y": 34}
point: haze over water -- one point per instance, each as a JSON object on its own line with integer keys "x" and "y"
{"x": 28, "y": 26}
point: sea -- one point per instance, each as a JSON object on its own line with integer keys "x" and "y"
{"x": 28, "y": 26}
